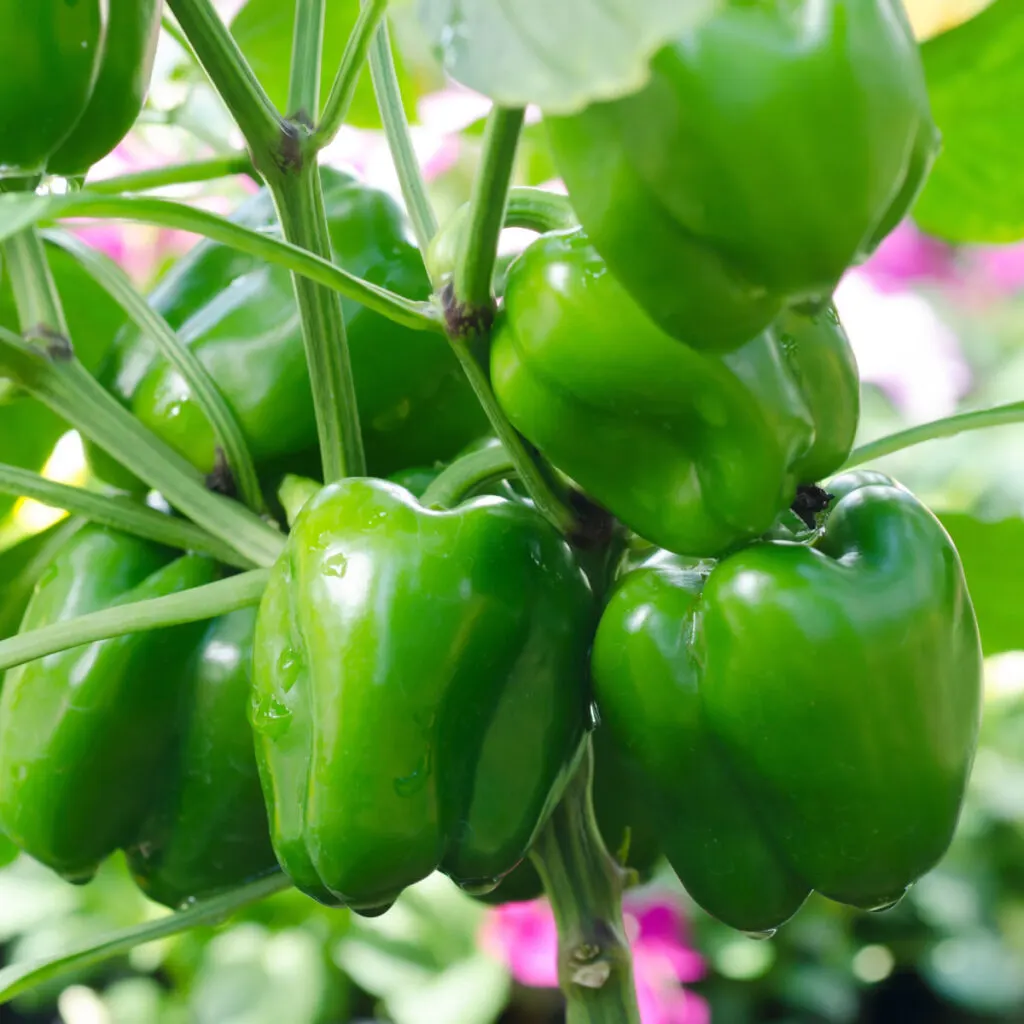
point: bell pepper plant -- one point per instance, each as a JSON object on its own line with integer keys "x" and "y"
{"x": 396, "y": 557}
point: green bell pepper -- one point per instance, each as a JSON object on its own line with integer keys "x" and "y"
{"x": 133, "y": 28}
{"x": 405, "y": 658}
{"x": 85, "y": 734}
{"x": 806, "y": 716}
{"x": 50, "y": 57}
{"x": 240, "y": 317}
{"x": 694, "y": 451}
{"x": 207, "y": 830}
{"x": 774, "y": 144}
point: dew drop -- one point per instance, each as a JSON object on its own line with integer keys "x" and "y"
{"x": 887, "y": 903}
{"x": 479, "y": 886}
{"x": 289, "y": 665}
{"x": 766, "y": 934}
{"x": 271, "y": 717}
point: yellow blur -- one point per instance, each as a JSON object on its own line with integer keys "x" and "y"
{"x": 930, "y": 17}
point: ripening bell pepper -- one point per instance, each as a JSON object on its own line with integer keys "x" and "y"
{"x": 806, "y": 715}
{"x": 420, "y": 691}
{"x": 73, "y": 77}
{"x": 774, "y": 144}
{"x": 85, "y": 733}
{"x": 239, "y": 316}
{"x": 207, "y": 829}
{"x": 694, "y": 451}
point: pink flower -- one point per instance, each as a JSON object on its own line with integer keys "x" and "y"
{"x": 907, "y": 256}
{"x": 523, "y": 935}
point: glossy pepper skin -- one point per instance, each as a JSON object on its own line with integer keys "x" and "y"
{"x": 774, "y": 145}
{"x": 133, "y": 28}
{"x": 240, "y": 317}
{"x": 694, "y": 451}
{"x": 806, "y": 716}
{"x": 50, "y": 57}
{"x": 624, "y": 817}
{"x": 207, "y": 830}
{"x": 420, "y": 690}
{"x": 85, "y": 733}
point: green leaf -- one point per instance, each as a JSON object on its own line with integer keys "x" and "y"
{"x": 976, "y": 83}
{"x": 8, "y": 851}
{"x": 264, "y": 30}
{"x": 992, "y": 553}
{"x": 21, "y": 977}
{"x": 561, "y": 55}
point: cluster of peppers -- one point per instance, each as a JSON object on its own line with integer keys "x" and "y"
{"x": 776, "y": 709}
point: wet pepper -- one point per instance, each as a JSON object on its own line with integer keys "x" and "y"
{"x": 240, "y": 317}
{"x": 85, "y": 734}
{"x": 806, "y": 716}
{"x": 694, "y": 451}
{"x": 404, "y": 659}
{"x": 775, "y": 143}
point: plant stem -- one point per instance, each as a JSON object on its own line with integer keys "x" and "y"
{"x": 193, "y": 605}
{"x": 396, "y": 128}
{"x": 120, "y": 513}
{"x": 420, "y": 316}
{"x": 307, "y": 51}
{"x": 226, "y": 430}
{"x": 63, "y": 384}
{"x": 467, "y": 475}
{"x": 950, "y": 426}
{"x": 216, "y": 50}
{"x": 469, "y": 314}
{"x": 175, "y": 174}
{"x": 474, "y": 267}
{"x": 584, "y": 885}
{"x": 349, "y": 70}
{"x": 40, "y": 313}
{"x": 21, "y": 977}
{"x": 300, "y": 207}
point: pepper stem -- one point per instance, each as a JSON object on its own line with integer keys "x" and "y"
{"x": 585, "y": 885}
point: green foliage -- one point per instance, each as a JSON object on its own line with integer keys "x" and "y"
{"x": 264, "y": 29}
{"x": 976, "y": 84}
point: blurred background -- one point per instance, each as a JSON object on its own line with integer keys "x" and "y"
{"x": 936, "y": 330}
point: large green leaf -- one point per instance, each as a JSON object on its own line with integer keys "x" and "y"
{"x": 264, "y": 30}
{"x": 992, "y": 553}
{"x": 560, "y": 54}
{"x": 976, "y": 83}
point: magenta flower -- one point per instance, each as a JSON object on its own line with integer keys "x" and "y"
{"x": 523, "y": 936}
{"x": 907, "y": 256}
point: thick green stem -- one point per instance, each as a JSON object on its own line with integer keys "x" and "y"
{"x": 300, "y": 207}
{"x": 420, "y": 316}
{"x": 396, "y": 128}
{"x": 120, "y": 513}
{"x": 307, "y": 50}
{"x": 998, "y": 416}
{"x": 474, "y": 268}
{"x": 57, "y": 379}
{"x": 585, "y": 884}
{"x": 193, "y": 605}
{"x": 216, "y": 50}
{"x": 345, "y": 81}
{"x": 193, "y": 171}
{"x": 467, "y": 475}
{"x": 226, "y": 429}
